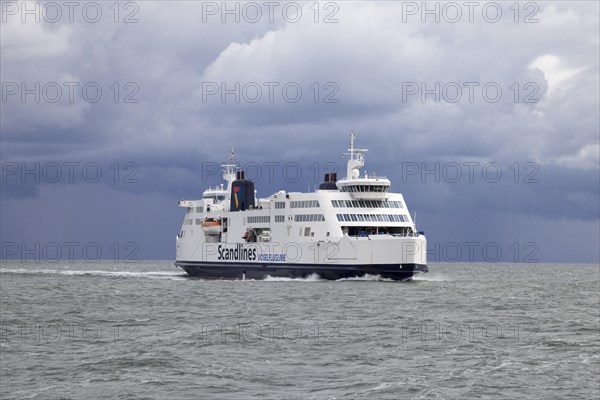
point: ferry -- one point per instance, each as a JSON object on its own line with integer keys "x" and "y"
{"x": 349, "y": 227}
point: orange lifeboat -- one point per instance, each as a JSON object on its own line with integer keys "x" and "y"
{"x": 211, "y": 226}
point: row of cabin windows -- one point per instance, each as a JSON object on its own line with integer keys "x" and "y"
{"x": 260, "y": 219}
{"x": 372, "y": 218}
{"x": 308, "y": 217}
{"x": 304, "y": 204}
{"x": 365, "y": 188}
{"x": 280, "y": 204}
{"x": 198, "y": 209}
{"x": 280, "y": 218}
{"x": 367, "y": 204}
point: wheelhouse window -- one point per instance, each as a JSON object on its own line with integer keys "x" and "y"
{"x": 367, "y": 203}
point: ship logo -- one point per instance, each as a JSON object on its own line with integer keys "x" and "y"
{"x": 236, "y": 190}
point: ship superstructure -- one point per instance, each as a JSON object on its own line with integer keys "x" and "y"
{"x": 347, "y": 228}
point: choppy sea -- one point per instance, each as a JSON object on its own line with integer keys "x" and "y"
{"x": 146, "y": 330}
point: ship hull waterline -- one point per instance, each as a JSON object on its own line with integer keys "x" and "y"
{"x": 238, "y": 271}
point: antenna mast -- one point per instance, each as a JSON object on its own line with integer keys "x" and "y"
{"x": 356, "y": 158}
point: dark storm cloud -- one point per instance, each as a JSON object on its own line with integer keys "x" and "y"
{"x": 172, "y": 130}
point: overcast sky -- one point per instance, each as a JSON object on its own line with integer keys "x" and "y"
{"x": 485, "y": 116}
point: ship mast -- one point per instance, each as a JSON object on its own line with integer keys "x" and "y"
{"x": 229, "y": 168}
{"x": 356, "y": 159}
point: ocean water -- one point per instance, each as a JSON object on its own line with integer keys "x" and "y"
{"x": 145, "y": 330}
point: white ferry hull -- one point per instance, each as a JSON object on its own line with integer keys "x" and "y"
{"x": 397, "y": 258}
{"x": 237, "y": 271}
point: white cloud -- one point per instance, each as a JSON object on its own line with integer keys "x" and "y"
{"x": 32, "y": 42}
{"x": 370, "y": 54}
{"x": 588, "y": 157}
{"x": 556, "y": 74}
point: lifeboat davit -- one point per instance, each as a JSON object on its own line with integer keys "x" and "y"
{"x": 250, "y": 235}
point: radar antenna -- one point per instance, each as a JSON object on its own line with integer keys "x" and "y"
{"x": 229, "y": 168}
{"x": 355, "y": 158}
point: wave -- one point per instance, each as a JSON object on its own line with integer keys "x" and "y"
{"x": 429, "y": 277}
{"x": 174, "y": 275}
{"x": 142, "y": 274}
{"x": 310, "y": 278}
{"x": 366, "y": 277}
{"x": 316, "y": 278}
